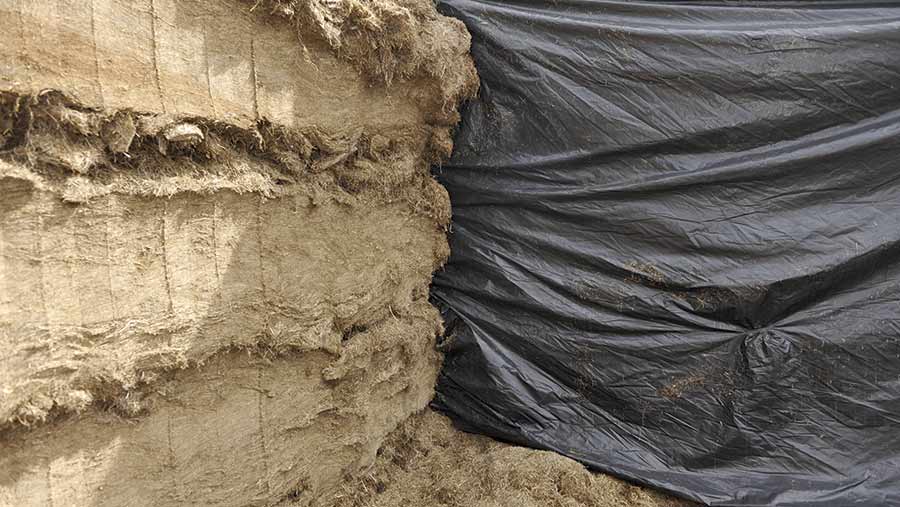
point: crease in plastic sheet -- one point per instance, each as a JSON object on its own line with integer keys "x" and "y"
{"x": 676, "y": 244}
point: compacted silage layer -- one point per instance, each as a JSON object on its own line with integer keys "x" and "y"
{"x": 217, "y": 232}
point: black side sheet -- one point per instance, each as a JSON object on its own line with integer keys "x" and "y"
{"x": 676, "y": 244}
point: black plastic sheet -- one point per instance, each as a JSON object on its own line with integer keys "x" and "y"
{"x": 676, "y": 244}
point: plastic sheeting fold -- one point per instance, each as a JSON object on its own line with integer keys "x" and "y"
{"x": 676, "y": 244}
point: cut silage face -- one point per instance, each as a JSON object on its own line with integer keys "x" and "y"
{"x": 216, "y": 243}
